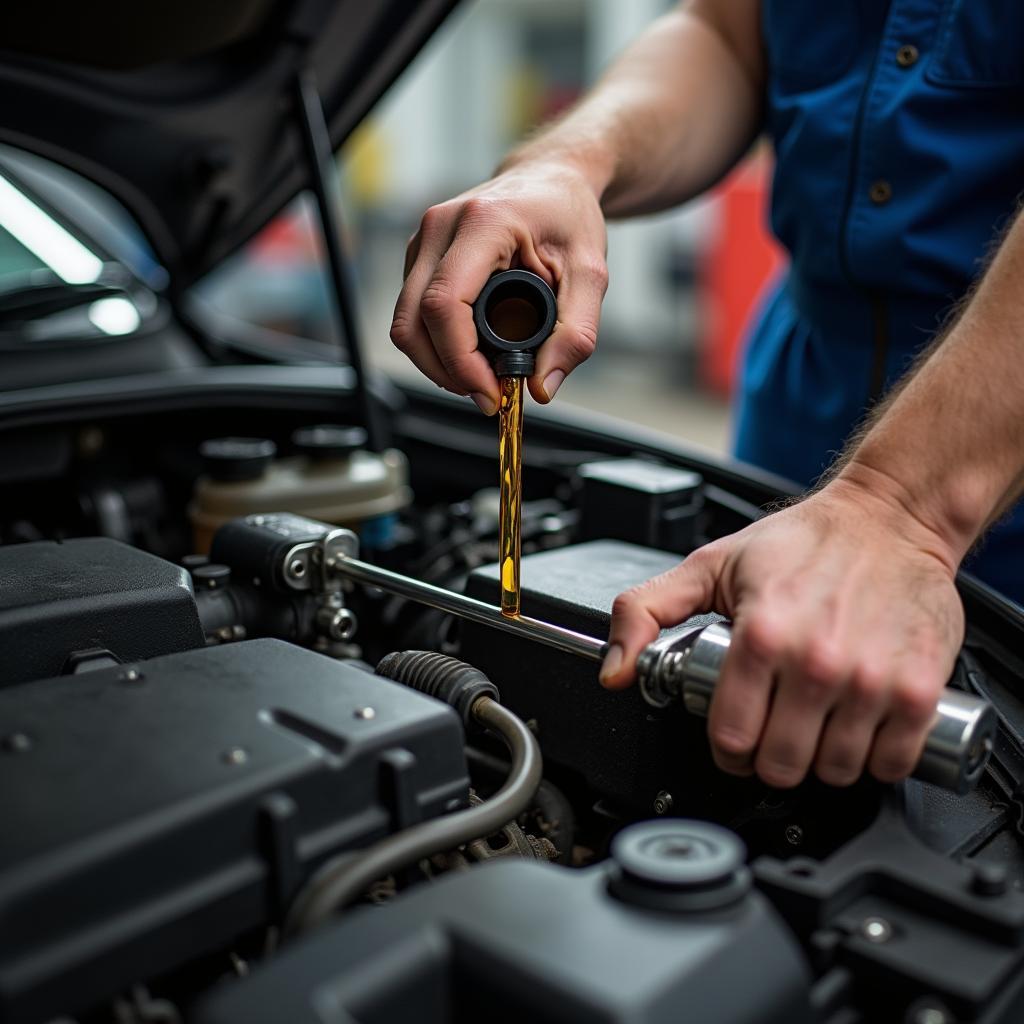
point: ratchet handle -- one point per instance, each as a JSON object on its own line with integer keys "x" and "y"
{"x": 684, "y": 669}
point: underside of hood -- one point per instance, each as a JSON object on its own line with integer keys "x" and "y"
{"x": 186, "y": 111}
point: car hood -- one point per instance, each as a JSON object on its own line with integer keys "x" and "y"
{"x": 185, "y": 111}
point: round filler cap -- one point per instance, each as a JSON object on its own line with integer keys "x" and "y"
{"x": 234, "y": 459}
{"x": 328, "y": 441}
{"x": 679, "y": 865}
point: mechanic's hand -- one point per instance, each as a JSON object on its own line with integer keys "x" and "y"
{"x": 542, "y": 217}
{"x": 846, "y": 627}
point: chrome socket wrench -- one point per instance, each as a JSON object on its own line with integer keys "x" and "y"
{"x": 681, "y": 667}
{"x": 684, "y": 668}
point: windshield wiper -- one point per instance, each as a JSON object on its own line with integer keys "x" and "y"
{"x": 42, "y": 293}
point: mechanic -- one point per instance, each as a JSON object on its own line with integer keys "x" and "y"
{"x": 899, "y": 146}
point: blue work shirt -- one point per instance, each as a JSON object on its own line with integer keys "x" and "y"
{"x": 898, "y": 128}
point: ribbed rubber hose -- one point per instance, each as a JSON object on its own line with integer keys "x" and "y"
{"x": 342, "y": 880}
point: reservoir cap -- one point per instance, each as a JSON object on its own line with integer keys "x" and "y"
{"x": 328, "y": 441}
{"x": 679, "y": 865}
{"x": 234, "y": 459}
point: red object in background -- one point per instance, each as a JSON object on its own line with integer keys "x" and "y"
{"x": 740, "y": 258}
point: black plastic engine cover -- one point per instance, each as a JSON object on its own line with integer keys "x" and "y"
{"x": 623, "y": 748}
{"x": 520, "y": 941}
{"x": 88, "y": 594}
{"x": 152, "y": 814}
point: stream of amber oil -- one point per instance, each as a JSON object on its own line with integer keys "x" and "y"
{"x": 510, "y": 445}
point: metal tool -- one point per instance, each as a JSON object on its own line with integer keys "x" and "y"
{"x": 470, "y": 608}
{"x": 680, "y": 667}
{"x": 684, "y": 667}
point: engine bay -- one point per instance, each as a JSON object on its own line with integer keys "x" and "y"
{"x": 214, "y": 744}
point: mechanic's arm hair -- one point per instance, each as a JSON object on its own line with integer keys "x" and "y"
{"x": 671, "y": 116}
{"x": 949, "y": 443}
{"x": 846, "y": 618}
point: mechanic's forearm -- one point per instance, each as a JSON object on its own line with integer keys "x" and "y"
{"x": 670, "y": 117}
{"x": 950, "y": 445}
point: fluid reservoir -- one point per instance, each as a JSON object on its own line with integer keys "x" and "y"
{"x": 330, "y": 477}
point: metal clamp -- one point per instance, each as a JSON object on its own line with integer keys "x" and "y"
{"x": 310, "y": 566}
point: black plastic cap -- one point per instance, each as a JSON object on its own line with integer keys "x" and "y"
{"x": 234, "y": 459}
{"x": 211, "y": 576}
{"x": 514, "y": 314}
{"x": 328, "y": 441}
{"x": 679, "y": 865}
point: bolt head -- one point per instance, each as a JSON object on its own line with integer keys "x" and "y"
{"x": 235, "y": 756}
{"x": 876, "y": 929}
{"x": 989, "y": 879}
{"x": 929, "y": 1012}
{"x": 366, "y": 714}
{"x": 17, "y": 743}
{"x": 663, "y": 802}
{"x": 794, "y": 835}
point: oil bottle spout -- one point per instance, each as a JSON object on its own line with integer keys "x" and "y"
{"x": 514, "y": 314}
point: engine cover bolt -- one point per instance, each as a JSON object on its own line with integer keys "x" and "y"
{"x": 17, "y": 743}
{"x": 928, "y": 1012}
{"x": 794, "y": 835}
{"x": 366, "y": 713}
{"x": 876, "y": 929}
{"x": 989, "y": 880}
{"x": 663, "y": 802}
{"x": 235, "y": 756}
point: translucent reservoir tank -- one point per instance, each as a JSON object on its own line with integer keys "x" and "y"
{"x": 330, "y": 477}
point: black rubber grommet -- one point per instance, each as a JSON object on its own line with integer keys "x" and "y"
{"x": 442, "y": 677}
{"x": 514, "y": 314}
{"x": 679, "y": 865}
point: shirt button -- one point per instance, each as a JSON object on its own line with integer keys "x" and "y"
{"x": 880, "y": 192}
{"x": 906, "y": 55}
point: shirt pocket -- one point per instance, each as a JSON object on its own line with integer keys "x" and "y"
{"x": 980, "y": 45}
{"x": 810, "y": 44}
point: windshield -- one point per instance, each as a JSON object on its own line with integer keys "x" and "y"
{"x": 57, "y": 282}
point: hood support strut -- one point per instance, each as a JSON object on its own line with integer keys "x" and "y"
{"x": 316, "y": 144}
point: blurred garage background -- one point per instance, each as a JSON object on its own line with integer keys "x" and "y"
{"x": 682, "y": 284}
